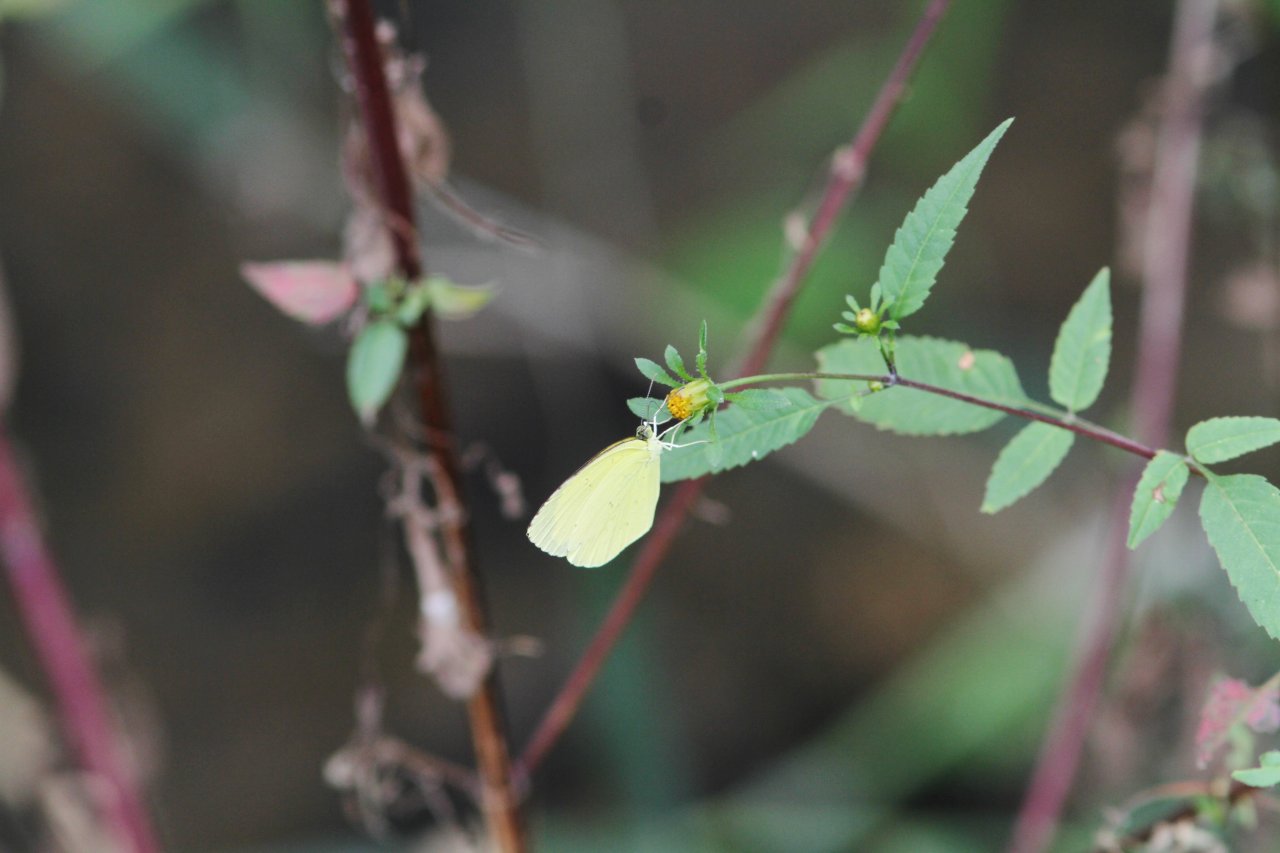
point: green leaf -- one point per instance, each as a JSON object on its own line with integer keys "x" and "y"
{"x": 453, "y": 301}
{"x": 676, "y": 363}
{"x": 1026, "y": 462}
{"x": 759, "y": 398}
{"x": 1241, "y": 516}
{"x": 1083, "y": 350}
{"x": 380, "y": 296}
{"x": 921, "y": 244}
{"x": 1156, "y": 495}
{"x": 948, "y": 364}
{"x": 1220, "y": 439}
{"x": 416, "y": 300}
{"x": 654, "y": 373}
{"x": 1265, "y": 775}
{"x": 651, "y": 409}
{"x": 373, "y": 366}
{"x": 714, "y": 449}
{"x": 744, "y": 435}
{"x": 1140, "y": 818}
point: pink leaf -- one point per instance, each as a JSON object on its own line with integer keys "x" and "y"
{"x": 315, "y": 292}
{"x": 1263, "y": 714}
{"x": 1230, "y": 702}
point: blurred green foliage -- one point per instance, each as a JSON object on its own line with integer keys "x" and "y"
{"x": 734, "y": 251}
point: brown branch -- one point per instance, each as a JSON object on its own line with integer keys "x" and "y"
{"x": 488, "y": 725}
{"x": 848, "y": 169}
{"x": 46, "y": 610}
{"x": 1164, "y": 282}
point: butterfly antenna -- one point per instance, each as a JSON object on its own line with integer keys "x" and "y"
{"x": 674, "y": 428}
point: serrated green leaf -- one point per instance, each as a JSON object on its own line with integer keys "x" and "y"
{"x": 373, "y": 366}
{"x": 651, "y": 409}
{"x": 744, "y": 435}
{"x": 1156, "y": 495}
{"x": 1026, "y": 462}
{"x": 714, "y": 449}
{"x": 921, "y": 244}
{"x": 759, "y": 398}
{"x": 1083, "y": 349}
{"x": 948, "y": 364}
{"x": 1240, "y": 514}
{"x": 654, "y": 373}
{"x": 1220, "y": 439}
{"x": 676, "y": 363}
{"x": 453, "y": 301}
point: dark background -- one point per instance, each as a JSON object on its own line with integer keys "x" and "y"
{"x": 857, "y": 659}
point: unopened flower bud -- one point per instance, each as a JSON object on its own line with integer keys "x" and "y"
{"x": 867, "y": 321}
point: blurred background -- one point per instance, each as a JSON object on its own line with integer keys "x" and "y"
{"x": 841, "y": 653}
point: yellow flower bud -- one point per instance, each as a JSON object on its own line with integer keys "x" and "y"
{"x": 867, "y": 321}
{"x": 689, "y": 399}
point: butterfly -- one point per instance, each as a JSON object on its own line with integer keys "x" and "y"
{"x": 606, "y": 505}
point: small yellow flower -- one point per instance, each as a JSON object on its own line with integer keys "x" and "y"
{"x": 689, "y": 399}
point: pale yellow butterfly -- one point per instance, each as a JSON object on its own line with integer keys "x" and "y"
{"x": 606, "y": 505}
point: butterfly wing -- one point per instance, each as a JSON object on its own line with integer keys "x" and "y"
{"x": 603, "y": 508}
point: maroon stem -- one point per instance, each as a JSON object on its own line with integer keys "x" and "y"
{"x": 82, "y": 705}
{"x": 1092, "y": 431}
{"x": 847, "y": 173}
{"x": 1166, "y": 248}
{"x": 499, "y": 798}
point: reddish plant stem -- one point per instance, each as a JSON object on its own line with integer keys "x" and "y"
{"x": 1092, "y": 431}
{"x": 1060, "y": 753}
{"x": 500, "y": 800}
{"x": 46, "y": 612}
{"x": 847, "y": 172}
{"x": 1166, "y": 247}
{"x": 1077, "y": 425}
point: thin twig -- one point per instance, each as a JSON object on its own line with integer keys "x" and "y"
{"x": 46, "y": 611}
{"x": 488, "y": 724}
{"x": 848, "y": 169}
{"x": 1164, "y": 279}
{"x": 1078, "y": 425}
